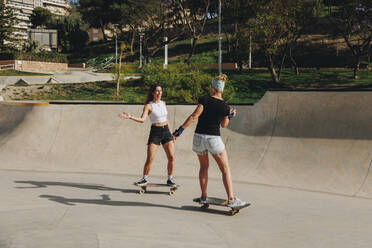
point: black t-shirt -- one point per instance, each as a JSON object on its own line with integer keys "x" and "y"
{"x": 214, "y": 110}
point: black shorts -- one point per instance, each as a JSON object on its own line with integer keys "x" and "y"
{"x": 159, "y": 135}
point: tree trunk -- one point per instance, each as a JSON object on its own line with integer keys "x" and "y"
{"x": 132, "y": 41}
{"x": 356, "y": 66}
{"x": 119, "y": 74}
{"x": 272, "y": 71}
{"x": 293, "y": 61}
{"x": 192, "y": 50}
{"x": 228, "y": 42}
{"x": 281, "y": 64}
{"x": 369, "y": 56}
{"x": 240, "y": 64}
{"x": 103, "y": 33}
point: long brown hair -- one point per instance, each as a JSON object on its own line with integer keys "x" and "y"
{"x": 150, "y": 93}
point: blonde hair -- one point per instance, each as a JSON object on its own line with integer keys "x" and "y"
{"x": 222, "y": 77}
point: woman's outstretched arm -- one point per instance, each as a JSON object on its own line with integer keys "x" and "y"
{"x": 145, "y": 113}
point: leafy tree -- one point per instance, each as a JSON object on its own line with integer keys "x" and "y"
{"x": 278, "y": 25}
{"x": 236, "y": 18}
{"x": 117, "y": 76}
{"x": 126, "y": 14}
{"x": 352, "y": 19}
{"x": 156, "y": 19}
{"x": 41, "y": 17}
{"x": 194, "y": 15}
{"x": 72, "y": 35}
{"x": 96, "y": 13}
{"x": 8, "y": 34}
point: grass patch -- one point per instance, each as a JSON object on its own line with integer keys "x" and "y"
{"x": 98, "y": 91}
{"x": 250, "y": 86}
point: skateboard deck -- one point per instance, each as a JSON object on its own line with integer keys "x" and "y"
{"x": 143, "y": 188}
{"x": 220, "y": 202}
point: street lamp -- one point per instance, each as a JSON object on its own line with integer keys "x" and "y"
{"x": 219, "y": 39}
{"x": 250, "y": 49}
{"x": 141, "y": 34}
{"x": 166, "y": 53}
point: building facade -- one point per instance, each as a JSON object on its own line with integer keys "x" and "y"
{"x": 23, "y": 10}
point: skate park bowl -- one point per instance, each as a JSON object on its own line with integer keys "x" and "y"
{"x": 303, "y": 159}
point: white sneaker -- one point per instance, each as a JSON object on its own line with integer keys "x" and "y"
{"x": 236, "y": 203}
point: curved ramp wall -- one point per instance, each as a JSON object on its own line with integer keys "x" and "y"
{"x": 318, "y": 141}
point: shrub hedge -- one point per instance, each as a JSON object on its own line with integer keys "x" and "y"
{"x": 40, "y": 56}
{"x": 182, "y": 83}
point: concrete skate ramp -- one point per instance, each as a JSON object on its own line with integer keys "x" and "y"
{"x": 317, "y": 141}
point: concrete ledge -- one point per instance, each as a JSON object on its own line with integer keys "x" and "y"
{"x": 37, "y": 66}
{"x": 23, "y": 103}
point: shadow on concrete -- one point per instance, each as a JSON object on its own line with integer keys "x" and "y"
{"x": 45, "y": 184}
{"x": 105, "y": 200}
{"x": 208, "y": 211}
{"x": 10, "y": 118}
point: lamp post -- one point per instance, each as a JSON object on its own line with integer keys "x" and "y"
{"x": 141, "y": 37}
{"x": 219, "y": 39}
{"x": 166, "y": 53}
{"x": 141, "y": 34}
{"x": 250, "y": 49}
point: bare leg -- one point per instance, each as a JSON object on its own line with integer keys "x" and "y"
{"x": 151, "y": 151}
{"x": 203, "y": 173}
{"x": 169, "y": 150}
{"x": 223, "y": 164}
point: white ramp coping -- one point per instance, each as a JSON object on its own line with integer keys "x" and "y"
{"x": 22, "y": 82}
{"x": 53, "y": 80}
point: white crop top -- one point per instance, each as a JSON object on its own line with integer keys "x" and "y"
{"x": 158, "y": 112}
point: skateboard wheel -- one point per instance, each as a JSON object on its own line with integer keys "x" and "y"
{"x": 205, "y": 206}
{"x": 142, "y": 191}
{"x": 233, "y": 212}
{"x": 172, "y": 192}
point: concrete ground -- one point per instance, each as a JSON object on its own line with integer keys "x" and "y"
{"x": 302, "y": 159}
{"x": 64, "y": 210}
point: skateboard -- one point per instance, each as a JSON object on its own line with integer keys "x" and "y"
{"x": 143, "y": 188}
{"x": 220, "y": 202}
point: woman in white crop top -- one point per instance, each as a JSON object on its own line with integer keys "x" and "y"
{"x": 159, "y": 134}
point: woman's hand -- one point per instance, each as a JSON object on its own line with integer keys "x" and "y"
{"x": 232, "y": 113}
{"x": 124, "y": 115}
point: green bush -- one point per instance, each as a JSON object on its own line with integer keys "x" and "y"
{"x": 181, "y": 83}
{"x": 33, "y": 56}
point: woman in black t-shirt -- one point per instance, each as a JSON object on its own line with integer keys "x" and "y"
{"x": 212, "y": 112}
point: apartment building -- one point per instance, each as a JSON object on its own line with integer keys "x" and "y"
{"x": 23, "y": 10}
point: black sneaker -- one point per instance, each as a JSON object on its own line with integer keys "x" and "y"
{"x": 142, "y": 182}
{"x": 171, "y": 183}
{"x": 202, "y": 199}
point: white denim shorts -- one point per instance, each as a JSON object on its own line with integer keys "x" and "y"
{"x": 203, "y": 143}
